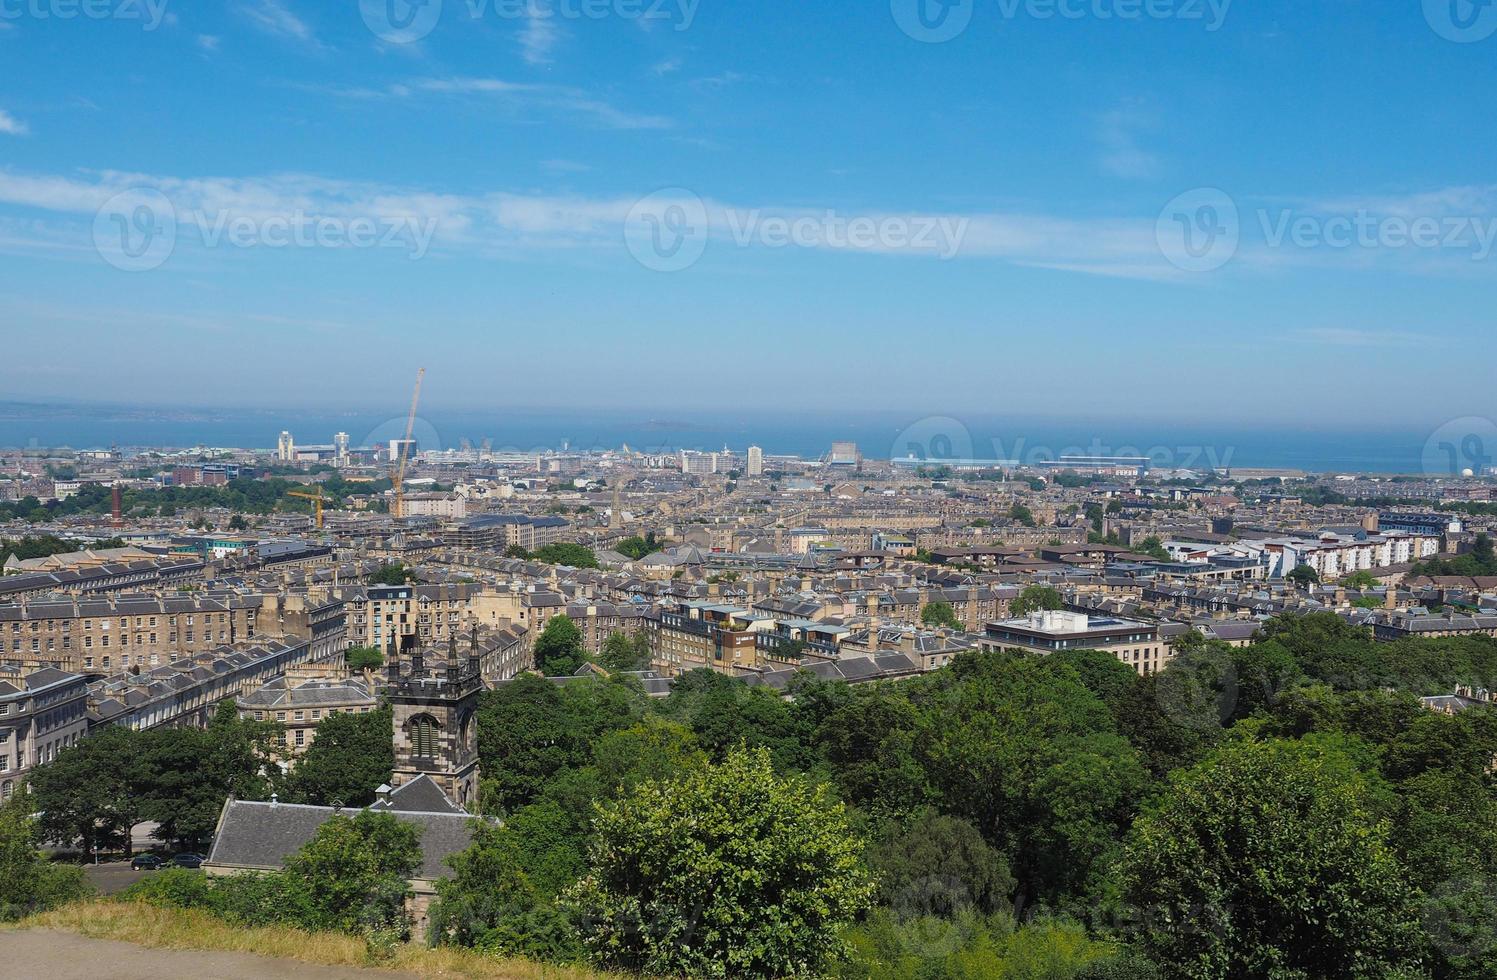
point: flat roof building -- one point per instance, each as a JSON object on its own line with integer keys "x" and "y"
{"x": 1137, "y": 644}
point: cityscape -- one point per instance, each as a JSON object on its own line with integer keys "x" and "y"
{"x": 934, "y": 490}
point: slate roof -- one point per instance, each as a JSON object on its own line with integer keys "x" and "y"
{"x": 261, "y": 836}
{"x": 420, "y": 795}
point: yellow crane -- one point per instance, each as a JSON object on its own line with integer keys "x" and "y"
{"x": 403, "y": 452}
{"x": 316, "y": 498}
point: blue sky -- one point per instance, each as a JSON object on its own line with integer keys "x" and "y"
{"x": 1210, "y": 211}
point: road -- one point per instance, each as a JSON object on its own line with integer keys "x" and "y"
{"x": 65, "y": 956}
{"x": 112, "y": 877}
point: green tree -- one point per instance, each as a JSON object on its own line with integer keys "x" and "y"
{"x": 637, "y": 547}
{"x": 93, "y": 792}
{"x": 566, "y": 553}
{"x": 939, "y": 865}
{"x": 1267, "y": 860}
{"x": 350, "y": 756}
{"x": 1035, "y": 598}
{"x": 355, "y": 871}
{"x": 1154, "y": 548}
{"x": 364, "y": 658}
{"x": 29, "y": 883}
{"x": 625, "y": 651}
{"x": 188, "y": 773}
{"x": 394, "y": 573}
{"x": 559, "y": 650}
{"x": 940, "y": 614}
{"x": 1303, "y": 575}
{"x": 1023, "y": 751}
{"x": 1022, "y": 514}
{"x": 486, "y": 900}
{"x": 524, "y": 739}
{"x": 729, "y": 870}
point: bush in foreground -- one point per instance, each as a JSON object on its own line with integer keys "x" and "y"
{"x": 727, "y": 871}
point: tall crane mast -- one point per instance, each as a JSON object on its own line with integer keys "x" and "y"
{"x": 316, "y": 498}
{"x": 403, "y": 452}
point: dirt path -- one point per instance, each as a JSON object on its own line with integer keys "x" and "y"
{"x": 65, "y": 956}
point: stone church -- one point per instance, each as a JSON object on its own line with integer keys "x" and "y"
{"x": 433, "y": 786}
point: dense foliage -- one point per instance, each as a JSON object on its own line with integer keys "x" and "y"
{"x": 350, "y": 877}
{"x": 1286, "y": 809}
{"x": 94, "y": 792}
{"x": 28, "y": 882}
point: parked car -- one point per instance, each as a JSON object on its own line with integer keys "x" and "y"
{"x": 146, "y": 862}
{"x": 188, "y": 860}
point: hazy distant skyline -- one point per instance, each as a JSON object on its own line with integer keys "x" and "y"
{"x": 1023, "y": 184}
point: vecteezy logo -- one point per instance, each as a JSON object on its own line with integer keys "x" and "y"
{"x": 1199, "y": 230}
{"x": 400, "y": 21}
{"x": 1462, "y": 21}
{"x": 1464, "y": 447}
{"x": 136, "y": 230}
{"x": 935, "y": 441}
{"x": 667, "y": 231}
{"x": 932, "y": 21}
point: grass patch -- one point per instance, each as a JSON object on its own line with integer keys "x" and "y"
{"x": 189, "y": 929}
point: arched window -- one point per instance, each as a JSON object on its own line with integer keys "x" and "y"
{"x": 423, "y": 730}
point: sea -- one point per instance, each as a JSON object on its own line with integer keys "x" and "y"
{"x": 1443, "y": 449}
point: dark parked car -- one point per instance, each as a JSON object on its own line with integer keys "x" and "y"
{"x": 146, "y": 862}
{"x": 186, "y": 860}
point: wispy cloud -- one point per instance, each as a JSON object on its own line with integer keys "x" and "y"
{"x": 275, "y": 18}
{"x": 1122, "y": 154}
{"x": 540, "y": 32}
{"x": 666, "y": 67}
{"x": 208, "y": 42}
{"x": 1460, "y": 201}
{"x": 503, "y": 222}
{"x": 519, "y": 96}
{"x": 12, "y": 126}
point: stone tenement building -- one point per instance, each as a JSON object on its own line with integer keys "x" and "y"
{"x": 300, "y": 704}
{"x": 188, "y": 692}
{"x": 102, "y": 635}
{"x": 106, "y": 577}
{"x": 110, "y": 633}
{"x": 41, "y": 713}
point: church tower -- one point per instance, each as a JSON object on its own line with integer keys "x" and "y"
{"x": 435, "y": 721}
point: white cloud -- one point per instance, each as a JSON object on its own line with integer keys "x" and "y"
{"x": 208, "y": 42}
{"x": 540, "y": 32}
{"x": 508, "y": 223}
{"x": 666, "y": 67}
{"x": 523, "y": 96}
{"x": 12, "y": 126}
{"x": 273, "y": 17}
{"x": 1122, "y": 155}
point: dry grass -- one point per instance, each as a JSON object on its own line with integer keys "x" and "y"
{"x": 164, "y": 928}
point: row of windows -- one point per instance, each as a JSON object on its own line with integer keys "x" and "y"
{"x": 141, "y": 622}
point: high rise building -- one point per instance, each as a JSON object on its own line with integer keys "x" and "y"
{"x": 340, "y": 447}
{"x": 285, "y": 448}
{"x": 845, "y": 454}
{"x": 755, "y": 461}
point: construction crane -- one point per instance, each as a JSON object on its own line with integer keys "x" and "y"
{"x": 316, "y": 499}
{"x": 403, "y": 452}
